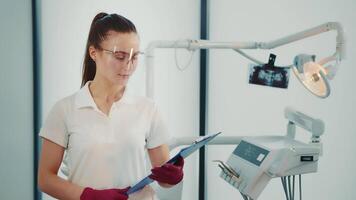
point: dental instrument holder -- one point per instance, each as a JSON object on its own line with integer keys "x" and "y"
{"x": 256, "y": 160}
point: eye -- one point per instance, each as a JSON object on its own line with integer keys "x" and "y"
{"x": 119, "y": 56}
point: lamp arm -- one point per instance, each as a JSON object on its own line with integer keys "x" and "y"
{"x": 340, "y": 39}
{"x": 206, "y": 44}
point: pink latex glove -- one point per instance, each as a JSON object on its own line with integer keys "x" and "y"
{"x": 169, "y": 173}
{"x": 108, "y": 194}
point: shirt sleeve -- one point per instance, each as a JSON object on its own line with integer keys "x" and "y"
{"x": 158, "y": 133}
{"x": 54, "y": 127}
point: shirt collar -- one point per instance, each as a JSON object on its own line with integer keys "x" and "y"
{"x": 84, "y": 99}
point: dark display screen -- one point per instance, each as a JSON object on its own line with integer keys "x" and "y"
{"x": 251, "y": 153}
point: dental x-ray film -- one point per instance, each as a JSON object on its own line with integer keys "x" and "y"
{"x": 269, "y": 76}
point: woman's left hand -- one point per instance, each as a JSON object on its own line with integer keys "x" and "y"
{"x": 169, "y": 173}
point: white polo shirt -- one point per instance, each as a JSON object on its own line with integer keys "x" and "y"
{"x": 105, "y": 151}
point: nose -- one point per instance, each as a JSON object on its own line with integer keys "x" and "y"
{"x": 129, "y": 63}
{"x": 125, "y": 66}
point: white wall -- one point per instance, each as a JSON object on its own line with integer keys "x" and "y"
{"x": 16, "y": 113}
{"x": 65, "y": 26}
{"x": 237, "y": 108}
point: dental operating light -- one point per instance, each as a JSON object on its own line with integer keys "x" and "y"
{"x": 314, "y": 75}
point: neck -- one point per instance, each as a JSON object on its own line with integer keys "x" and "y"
{"x": 106, "y": 91}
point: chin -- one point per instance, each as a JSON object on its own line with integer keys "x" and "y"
{"x": 120, "y": 81}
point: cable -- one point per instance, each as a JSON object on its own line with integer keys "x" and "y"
{"x": 300, "y": 186}
{"x": 248, "y": 57}
{"x": 288, "y": 187}
{"x": 293, "y": 187}
{"x": 284, "y": 187}
{"x": 257, "y": 61}
{"x": 244, "y": 196}
{"x": 237, "y": 50}
{"x": 176, "y": 58}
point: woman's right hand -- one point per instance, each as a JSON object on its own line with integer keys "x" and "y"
{"x": 107, "y": 194}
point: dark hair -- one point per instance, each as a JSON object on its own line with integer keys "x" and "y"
{"x": 101, "y": 24}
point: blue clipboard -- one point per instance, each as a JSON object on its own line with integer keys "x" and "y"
{"x": 185, "y": 152}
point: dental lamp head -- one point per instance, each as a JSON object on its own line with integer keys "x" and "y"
{"x": 312, "y": 75}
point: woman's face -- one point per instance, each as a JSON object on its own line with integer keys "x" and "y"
{"x": 117, "y": 57}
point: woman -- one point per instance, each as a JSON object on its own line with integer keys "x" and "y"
{"x": 104, "y": 131}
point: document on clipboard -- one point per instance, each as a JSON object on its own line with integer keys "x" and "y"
{"x": 185, "y": 152}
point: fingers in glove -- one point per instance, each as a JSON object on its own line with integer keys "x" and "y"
{"x": 169, "y": 180}
{"x": 161, "y": 172}
{"x": 180, "y": 161}
{"x": 166, "y": 176}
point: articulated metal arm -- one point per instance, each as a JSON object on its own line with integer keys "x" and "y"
{"x": 237, "y": 46}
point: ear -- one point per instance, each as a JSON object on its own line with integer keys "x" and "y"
{"x": 92, "y": 52}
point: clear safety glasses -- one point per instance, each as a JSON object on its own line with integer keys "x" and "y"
{"x": 124, "y": 57}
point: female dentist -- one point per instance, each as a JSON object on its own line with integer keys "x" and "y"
{"x": 102, "y": 131}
